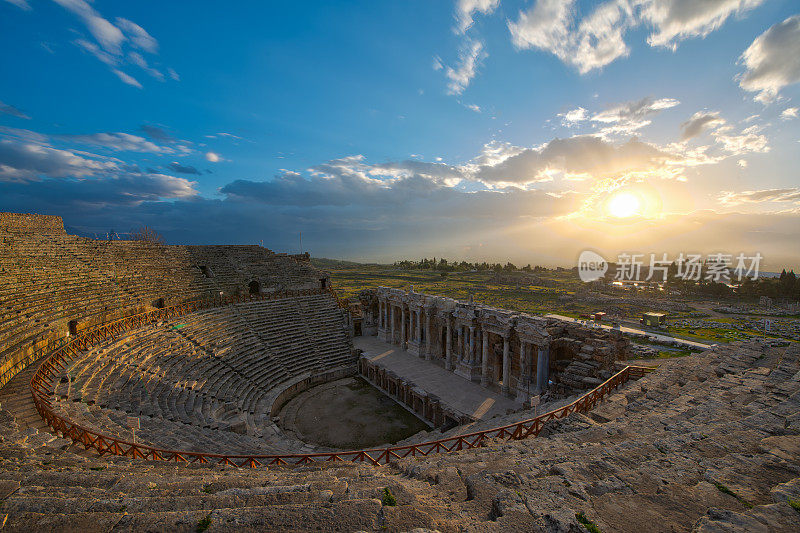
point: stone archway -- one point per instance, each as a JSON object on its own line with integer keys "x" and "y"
{"x": 254, "y": 287}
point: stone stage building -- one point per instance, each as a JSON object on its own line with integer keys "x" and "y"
{"x": 518, "y": 353}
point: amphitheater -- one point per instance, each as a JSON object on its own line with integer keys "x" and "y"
{"x": 188, "y": 388}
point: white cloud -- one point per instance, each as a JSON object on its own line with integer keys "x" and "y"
{"x": 465, "y": 9}
{"x": 22, "y": 4}
{"x": 23, "y": 161}
{"x": 598, "y": 38}
{"x": 789, "y": 113}
{"x": 634, "y": 110}
{"x": 583, "y": 156}
{"x": 20, "y": 134}
{"x": 677, "y": 20}
{"x": 111, "y": 39}
{"x": 109, "y": 36}
{"x": 700, "y": 122}
{"x": 544, "y": 26}
{"x": 137, "y": 59}
{"x": 121, "y": 142}
{"x": 473, "y": 107}
{"x": 594, "y": 42}
{"x": 620, "y": 119}
{"x": 495, "y": 152}
{"x": 772, "y": 61}
{"x": 212, "y": 157}
{"x": 468, "y": 61}
{"x": 573, "y": 116}
{"x": 129, "y": 80}
{"x": 138, "y": 36}
{"x": 627, "y": 118}
{"x": 6, "y": 109}
{"x": 749, "y": 140}
{"x": 730, "y": 198}
{"x": 95, "y": 50}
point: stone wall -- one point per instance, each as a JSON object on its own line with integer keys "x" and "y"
{"x": 303, "y": 383}
{"x": 30, "y": 223}
{"x": 517, "y": 352}
{"x": 423, "y": 404}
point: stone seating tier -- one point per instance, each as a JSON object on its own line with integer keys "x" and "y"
{"x": 212, "y": 372}
{"x": 49, "y": 278}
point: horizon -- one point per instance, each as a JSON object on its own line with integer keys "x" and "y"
{"x": 483, "y": 130}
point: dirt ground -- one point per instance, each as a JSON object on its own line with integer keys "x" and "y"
{"x": 350, "y": 413}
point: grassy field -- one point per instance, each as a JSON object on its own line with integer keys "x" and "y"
{"x": 717, "y": 334}
{"x": 541, "y": 297}
{"x": 512, "y": 291}
{"x": 350, "y": 278}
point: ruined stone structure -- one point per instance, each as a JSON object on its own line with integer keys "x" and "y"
{"x": 210, "y": 379}
{"x": 422, "y": 403}
{"x": 708, "y": 442}
{"x": 517, "y": 352}
{"x": 53, "y": 285}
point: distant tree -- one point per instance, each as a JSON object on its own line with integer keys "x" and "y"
{"x": 146, "y": 234}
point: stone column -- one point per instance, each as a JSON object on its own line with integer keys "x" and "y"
{"x": 448, "y": 350}
{"x": 542, "y": 369}
{"x": 403, "y": 326}
{"x": 428, "y": 335}
{"x": 506, "y": 364}
{"x": 472, "y": 345}
{"x": 485, "y": 359}
{"x": 419, "y": 325}
{"x": 464, "y": 344}
{"x": 391, "y": 322}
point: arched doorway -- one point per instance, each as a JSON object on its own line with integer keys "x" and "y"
{"x": 254, "y": 287}
{"x": 73, "y": 327}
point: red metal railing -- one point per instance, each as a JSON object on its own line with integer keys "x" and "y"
{"x": 41, "y": 390}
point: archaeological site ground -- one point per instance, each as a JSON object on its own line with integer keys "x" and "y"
{"x": 153, "y": 387}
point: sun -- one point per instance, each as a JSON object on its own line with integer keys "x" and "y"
{"x": 623, "y": 205}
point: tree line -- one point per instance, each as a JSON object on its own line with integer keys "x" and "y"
{"x": 443, "y": 265}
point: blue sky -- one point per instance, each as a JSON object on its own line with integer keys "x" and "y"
{"x": 475, "y": 129}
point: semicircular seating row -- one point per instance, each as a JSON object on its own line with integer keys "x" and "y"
{"x": 48, "y": 280}
{"x": 206, "y": 381}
